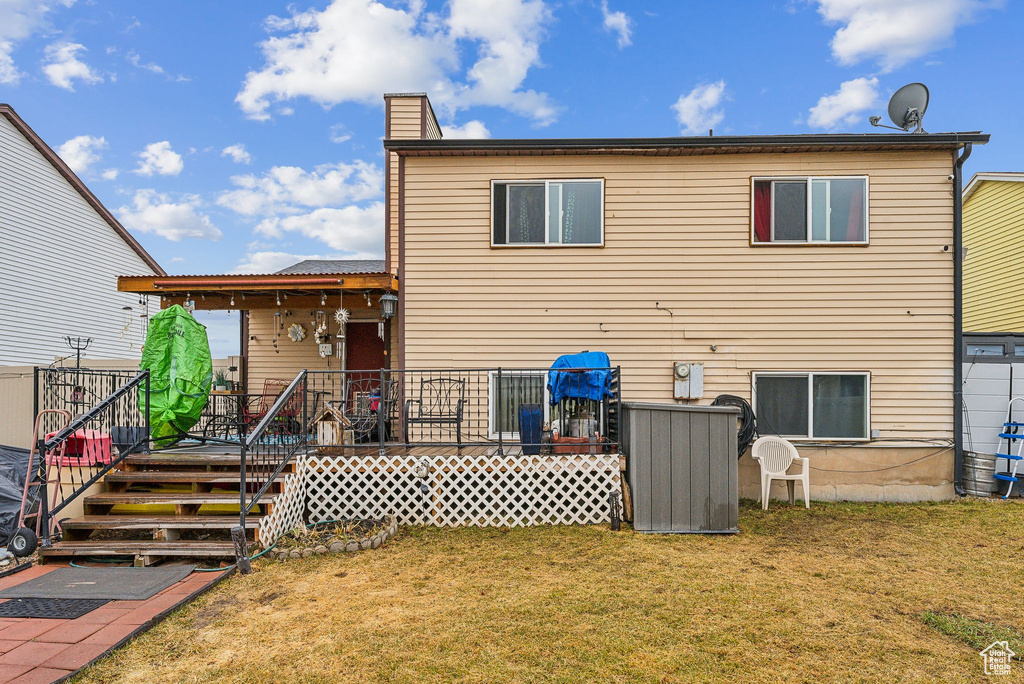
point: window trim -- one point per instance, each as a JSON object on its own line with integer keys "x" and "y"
{"x": 492, "y": 432}
{"x": 1009, "y": 341}
{"x": 810, "y": 402}
{"x": 547, "y": 232}
{"x": 810, "y": 222}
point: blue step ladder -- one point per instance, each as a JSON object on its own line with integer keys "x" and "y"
{"x": 1013, "y": 434}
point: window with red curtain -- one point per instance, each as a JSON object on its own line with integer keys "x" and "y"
{"x": 762, "y": 211}
{"x": 838, "y": 214}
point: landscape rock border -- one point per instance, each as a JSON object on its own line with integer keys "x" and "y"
{"x": 388, "y": 523}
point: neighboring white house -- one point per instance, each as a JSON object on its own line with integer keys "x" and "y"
{"x": 60, "y": 253}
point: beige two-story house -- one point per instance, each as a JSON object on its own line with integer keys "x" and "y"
{"x": 812, "y": 275}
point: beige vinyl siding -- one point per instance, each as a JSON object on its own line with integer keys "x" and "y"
{"x": 405, "y": 122}
{"x": 433, "y": 129}
{"x": 290, "y": 357}
{"x": 677, "y": 233}
{"x": 405, "y": 117}
{"x": 392, "y": 200}
{"x": 994, "y": 237}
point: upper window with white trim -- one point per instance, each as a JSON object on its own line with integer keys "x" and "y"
{"x": 810, "y": 209}
{"x": 566, "y": 212}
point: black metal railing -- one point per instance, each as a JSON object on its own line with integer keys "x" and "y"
{"x": 75, "y": 390}
{"x": 503, "y": 408}
{"x": 266, "y": 450}
{"x": 79, "y": 438}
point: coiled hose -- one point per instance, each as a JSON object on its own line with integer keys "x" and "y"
{"x": 748, "y": 423}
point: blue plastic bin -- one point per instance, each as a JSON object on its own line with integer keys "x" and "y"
{"x": 531, "y": 418}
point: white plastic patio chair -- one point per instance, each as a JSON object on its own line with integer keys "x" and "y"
{"x": 775, "y": 455}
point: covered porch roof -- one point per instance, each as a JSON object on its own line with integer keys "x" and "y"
{"x": 264, "y": 291}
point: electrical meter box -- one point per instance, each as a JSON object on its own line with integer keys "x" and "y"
{"x": 688, "y": 380}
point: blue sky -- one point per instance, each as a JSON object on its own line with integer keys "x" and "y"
{"x": 242, "y": 136}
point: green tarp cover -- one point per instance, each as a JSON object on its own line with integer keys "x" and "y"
{"x": 177, "y": 355}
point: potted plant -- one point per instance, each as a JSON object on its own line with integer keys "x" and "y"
{"x": 220, "y": 380}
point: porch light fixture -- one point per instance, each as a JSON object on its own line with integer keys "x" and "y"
{"x": 388, "y": 305}
{"x": 278, "y": 298}
{"x": 232, "y": 299}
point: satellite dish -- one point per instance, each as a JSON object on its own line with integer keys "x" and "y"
{"x": 908, "y": 105}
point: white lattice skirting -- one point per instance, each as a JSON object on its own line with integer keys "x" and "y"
{"x": 454, "y": 490}
{"x": 286, "y": 513}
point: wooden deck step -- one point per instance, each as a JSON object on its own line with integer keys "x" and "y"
{"x": 182, "y": 459}
{"x": 171, "y": 477}
{"x": 146, "y": 522}
{"x": 135, "y": 498}
{"x": 143, "y": 549}
{"x": 184, "y": 503}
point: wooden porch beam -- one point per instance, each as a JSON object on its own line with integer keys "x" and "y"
{"x": 353, "y": 301}
{"x": 247, "y": 283}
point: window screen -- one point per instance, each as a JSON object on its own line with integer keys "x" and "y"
{"x": 840, "y": 403}
{"x": 790, "y": 211}
{"x": 782, "y": 405}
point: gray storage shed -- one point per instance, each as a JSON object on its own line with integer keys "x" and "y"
{"x": 682, "y": 467}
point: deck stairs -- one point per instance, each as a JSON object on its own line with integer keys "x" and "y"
{"x": 179, "y": 502}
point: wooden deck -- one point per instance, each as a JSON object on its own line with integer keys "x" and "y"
{"x": 183, "y": 501}
{"x": 208, "y": 454}
{"x": 413, "y": 451}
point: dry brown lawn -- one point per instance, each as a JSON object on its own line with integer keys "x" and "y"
{"x": 836, "y": 593}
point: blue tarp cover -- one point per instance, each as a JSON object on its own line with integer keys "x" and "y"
{"x": 591, "y": 384}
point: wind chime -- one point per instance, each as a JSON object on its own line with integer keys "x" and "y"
{"x": 321, "y": 332}
{"x": 341, "y": 318}
{"x": 126, "y": 328}
{"x": 278, "y": 327}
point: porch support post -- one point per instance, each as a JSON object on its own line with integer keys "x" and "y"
{"x": 383, "y": 410}
{"x": 499, "y": 409}
{"x": 238, "y": 532}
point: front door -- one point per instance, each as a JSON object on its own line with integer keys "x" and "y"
{"x": 363, "y": 347}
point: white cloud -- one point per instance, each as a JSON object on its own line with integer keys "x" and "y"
{"x": 237, "y": 152}
{"x": 81, "y": 152}
{"x": 618, "y": 22}
{"x": 109, "y": 174}
{"x": 355, "y": 50}
{"x": 289, "y": 189}
{"x": 844, "y": 106}
{"x": 62, "y": 66}
{"x": 339, "y": 133}
{"x": 894, "y": 33}
{"x": 8, "y": 72}
{"x": 699, "y": 110}
{"x": 270, "y": 261}
{"x": 508, "y": 34}
{"x": 159, "y": 158}
{"x": 471, "y": 129}
{"x": 153, "y": 212}
{"x": 351, "y": 228}
{"x": 136, "y": 61}
{"x": 20, "y": 19}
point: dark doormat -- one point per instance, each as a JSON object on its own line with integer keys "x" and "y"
{"x": 53, "y": 609}
{"x": 126, "y": 584}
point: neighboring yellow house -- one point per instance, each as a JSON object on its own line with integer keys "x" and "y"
{"x": 993, "y": 292}
{"x": 810, "y": 274}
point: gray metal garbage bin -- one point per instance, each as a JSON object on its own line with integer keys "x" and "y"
{"x": 682, "y": 467}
